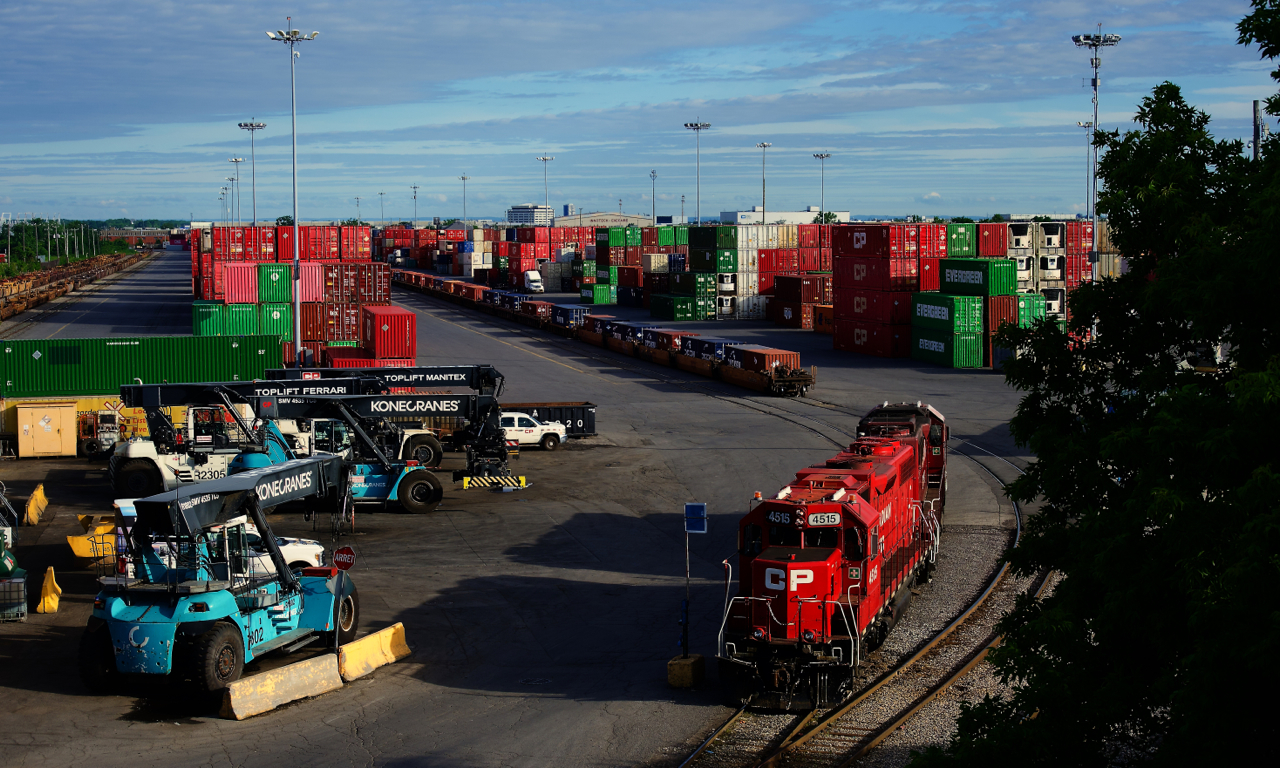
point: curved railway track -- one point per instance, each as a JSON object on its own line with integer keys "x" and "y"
{"x": 843, "y": 734}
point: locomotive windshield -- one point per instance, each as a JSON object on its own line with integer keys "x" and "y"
{"x": 783, "y": 536}
{"x": 828, "y": 538}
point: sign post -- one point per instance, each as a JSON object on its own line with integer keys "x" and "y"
{"x": 695, "y": 521}
{"x": 343, "y": 559}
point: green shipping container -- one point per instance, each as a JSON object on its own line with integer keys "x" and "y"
{"x": 617, "y": 237}
{"x": 944, "y": 312}
{"x": 240, "y": 320}
{"x": 502, "y": 262}
{"x": 342, "y": 343}
{"x": 978, "y": 277}
{"x": 706, "y": 307}
{"x": 962, "y": 240}
{"x": 693, "y": 283}
{"x": 726, "y": 260}
{"x": 78, "y": 367}
{"x": 666, "y": 236}
{"x": 275, "y": 283}
{"x": 682, "y": 236}
{"x": 672, "y": 308}
{"x": 602, "y": 237}
{"x": 206, "y": 318}
{"x": 599, "y": 294}
{"x": 276, "y": 319}
{"x": 727, "y": 237}
{"x": 954, "y": 350}
{"x": 633, "y": 237}
{"x": 606, "y": 275}
{"x": 1031, "y": 307}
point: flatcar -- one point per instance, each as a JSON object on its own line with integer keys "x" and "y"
{"x": 826, "y": 565}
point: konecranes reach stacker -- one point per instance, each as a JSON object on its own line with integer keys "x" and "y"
{"x": 185, "y": 601}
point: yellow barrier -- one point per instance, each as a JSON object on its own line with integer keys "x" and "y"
{"x": 263, "y": 693}
{"x": 37, "y": 503}
{"x": 359, "y": 658}
{"x": 49, "y": 593}
{"x": 98, "y": 539}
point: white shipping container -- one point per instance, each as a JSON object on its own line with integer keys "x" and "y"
{"x": 788, "y": 236}
{"x": 769, "y": 238}
{"x": 748, "y": 260}
{"x": 752, "y": 239}
{"x": 467, "y": 271}
{"x": 654, "y": 262}
{"x": 750, "y": 307}
{"x": 748, "y": 283}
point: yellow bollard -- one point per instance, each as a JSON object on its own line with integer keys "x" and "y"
{"x": 37, "y": 503}
{"x": 49, "y": 593}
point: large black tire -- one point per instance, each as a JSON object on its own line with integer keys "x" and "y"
{"x": 216, "y": 658}
{"x": 420, "y": 492}
{"x": 346, "y": 617}
{"x": 97, "y": 659}
{"x": 90, "y": 447}
{"x": 424, "y": 449}
{"x": 138, "y": 478}
{"x": 550, "y": 442}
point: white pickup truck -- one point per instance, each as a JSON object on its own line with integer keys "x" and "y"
{"x": 529, "y": 431}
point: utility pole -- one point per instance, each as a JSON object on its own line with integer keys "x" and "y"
{"x": 545, "y": 190}
{"x": 253, "y": 127}
{"x": 357, "y": 211}
{"x": 764, "y": 148}
{"x": 653, "y": 200}
{"x": 697, "y": 128}
{"x": 1257, "y": 130}
{"x": 822, "y": 158}
{"x": 383, "y": 208}
{"x": 415, "y": 205}
{"x": 1088, "y": 166}
{"x": 464, "y": 178}
{"x": 1095, "y": 43}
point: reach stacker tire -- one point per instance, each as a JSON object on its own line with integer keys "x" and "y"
{"x": 550, "y": 442}
{"x": 420, "y": 492}
{"x": 346, "y": 617}
{"x": 137, "y": 479}
{"x": 424, "y": 449}
{"x": 216, "y": 658}
{"x": 97, "y": 659}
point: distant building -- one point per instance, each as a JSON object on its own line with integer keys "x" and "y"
{"x": 757, "y": 214}
{"x": 570, "y": 209}
{"x": 528, "y": 213}
{"x": 603, "y": 219}
{"x": 662, "y": 220}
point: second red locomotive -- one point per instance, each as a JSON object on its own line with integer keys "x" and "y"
{"x": 826, "y": 566}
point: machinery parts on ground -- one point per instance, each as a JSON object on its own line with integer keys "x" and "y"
{"x": 827, "y": 564}
{"x": 200, "y": 612}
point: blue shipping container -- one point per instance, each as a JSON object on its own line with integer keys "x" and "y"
{"x": 466, "y": 246}
{"x": 629, "y": 296}
{"x": 568, "y": 315}
{"x": 706, "y": 347}
{"x": 629, "y": 330}
{"x": 676, "y": 262}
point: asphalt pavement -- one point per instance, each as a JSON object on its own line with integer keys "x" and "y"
{"x": 541, "y": 620}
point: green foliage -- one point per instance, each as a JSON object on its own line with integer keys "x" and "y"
{"x": 826, "y": 217}
{"x": 350, "y": 223}
{"x": 447, "y": 223}
{"x": 284, "y": 221}
{"x": 1158, "y": 481}
{"x": 961, "y": 220}
{"x": 997, "y": 218}
{"x": 1042, "y": 218}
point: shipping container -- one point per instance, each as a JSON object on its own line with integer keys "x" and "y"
{"x": 954, "y": 350}
{"x": 276, "y": 319}
{"x": 979, "y": 277}
{"x": 579, "y": 419}
{"x": 665, "y": 339}
{"x": 389, "y": 332}
{"x": 999, "y": 310}
{"x": 207, "y": 318}
{"x": 694, "y": 283}
{"x": 1031, "y": 307}
{"x": 673, "y": 307}
{"x": 993, "y": 240}
{"x": 761, "y": 359}
{"x": 568, "y": 315}
{"x": 873, "y": 339}
{"x": 876, "y": 274}
{"x": 798, "y": 289}
{"x": 962, "y": 240}
{"x": 824, "y": 318}
{"x": 599, "y": 294}
{"x": 947, "y": 313}
{"x": 792, "y": 314}
{"x": 240, "y": 320}
{"x": 884, "y": 307}
{"x": 275, "y": 283}
{"x": 707, "y": 347}
{"x": 930, "y": 274}
{"x": 311, "y": 282}
{"x": 240, "y": 283}
{"x": 313, "y": 322}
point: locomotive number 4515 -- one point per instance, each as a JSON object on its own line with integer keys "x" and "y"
{"x": 824, "y": 518}
{"x": 781, "y": 518}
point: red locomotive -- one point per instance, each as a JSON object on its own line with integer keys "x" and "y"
{"x": 826, "y": 566}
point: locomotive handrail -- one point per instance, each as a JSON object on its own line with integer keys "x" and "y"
{"x": 849, "y": 624}
{"x": 725, "y": 621}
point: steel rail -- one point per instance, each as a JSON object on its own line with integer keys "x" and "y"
{"x": 714, "y": 735}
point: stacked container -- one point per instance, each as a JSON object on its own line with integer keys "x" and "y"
{"x": 875, "y": 269}
{"x": 954, "y": 327}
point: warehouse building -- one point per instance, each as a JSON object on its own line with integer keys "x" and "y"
{"x": 758, "y": 213}
{"x": 529, "y": 213}
{"x": 603, "y": 219}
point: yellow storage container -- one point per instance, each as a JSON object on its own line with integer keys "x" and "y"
{"x": 47, "y": 429}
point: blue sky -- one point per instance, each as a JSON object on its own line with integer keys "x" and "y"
{"x": 130, "y": 109}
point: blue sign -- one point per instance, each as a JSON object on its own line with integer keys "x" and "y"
{"x": 695, "y": 518}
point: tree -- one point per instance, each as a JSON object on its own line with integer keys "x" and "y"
{"x": 1158, "y": 480}
{"x": 961, "y": 220}
{"x": 826, "y": 217}
{"x": 284, "y": 221}
{"x": 349, "y": 223}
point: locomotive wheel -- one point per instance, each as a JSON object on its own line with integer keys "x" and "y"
{"x": 420, "y": 492}
{"x": 424, "y": 449}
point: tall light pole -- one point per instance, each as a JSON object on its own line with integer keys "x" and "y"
{"x": 682, "y": 219}
{"x": 1088, "y": 166}
{"x": 223, "y": 198}
{"x": 464, "y": 178}
{"x": 357, "y": 211}
{"x": 653, "y": 200}
{"x": 698, "y": 128}
{"x": 546, "y": 193}
{"x": 822, "y": 158}
{"x": 415, "y": 188}
{"x": 291, "y": 39}
{"x": 1095, "y": 43}
{"x": 382, "y": 205}
{"x": 252, "y": 127}
{"x": 237, "y": 161}
{"x": 231, "y": 207}
{"x": 764, "y": 148}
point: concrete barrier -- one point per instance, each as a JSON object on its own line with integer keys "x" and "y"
{"x": 359, "y": 658}
{"x": 262, "y": 693}
{"x": 37, "y": 503}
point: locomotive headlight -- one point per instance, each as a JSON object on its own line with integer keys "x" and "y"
{"x": 757, "y": 633}
{"x": 808, "y": 635}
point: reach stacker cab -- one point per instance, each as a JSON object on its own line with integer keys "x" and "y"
{"x": 194, "y": 608}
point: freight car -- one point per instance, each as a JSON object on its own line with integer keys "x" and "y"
{"x": 826, "y": 566}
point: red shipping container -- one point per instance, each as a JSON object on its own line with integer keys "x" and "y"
{"x": 810, "y": 260}
{"x": 355, "y": 243}
{"x": 824, "y": 235}
{"x": 540, "y": 309}
{"x": 792, "y": 315}
{"x": 999, "y": 309}
{"x": 808, "y": 235}
{"x": 240, "y": 283}
{"x": 390, "y": 332}
{"x": 824, "y": 260}
{"x": 284, "y": 244}
{"x": 312, "y": 353}
{"x": 932, "y": 240}
{"x": 860, "y": 240}
{"x": 1079, "y": 236}
{"x": 669, "y": 340}
{"x": 648, "y": 236}
{"x": 765, "y": 286}
{"x": 872, "y": 338}
{"x": 798, "y": 289}
{"x": 346, "y": 357}
{"x": 875, "y": 273}
{"x": 765, "y": 360}
{"x": 319, "y": 242}
{"x": 631, "y": 277}
{"x": 342, "y": 322}
{"x": 882, "y": 307}
{"x": 930, "y": 274}
{"x": 993, "y": 239}
{"x": 313, "y": 322}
